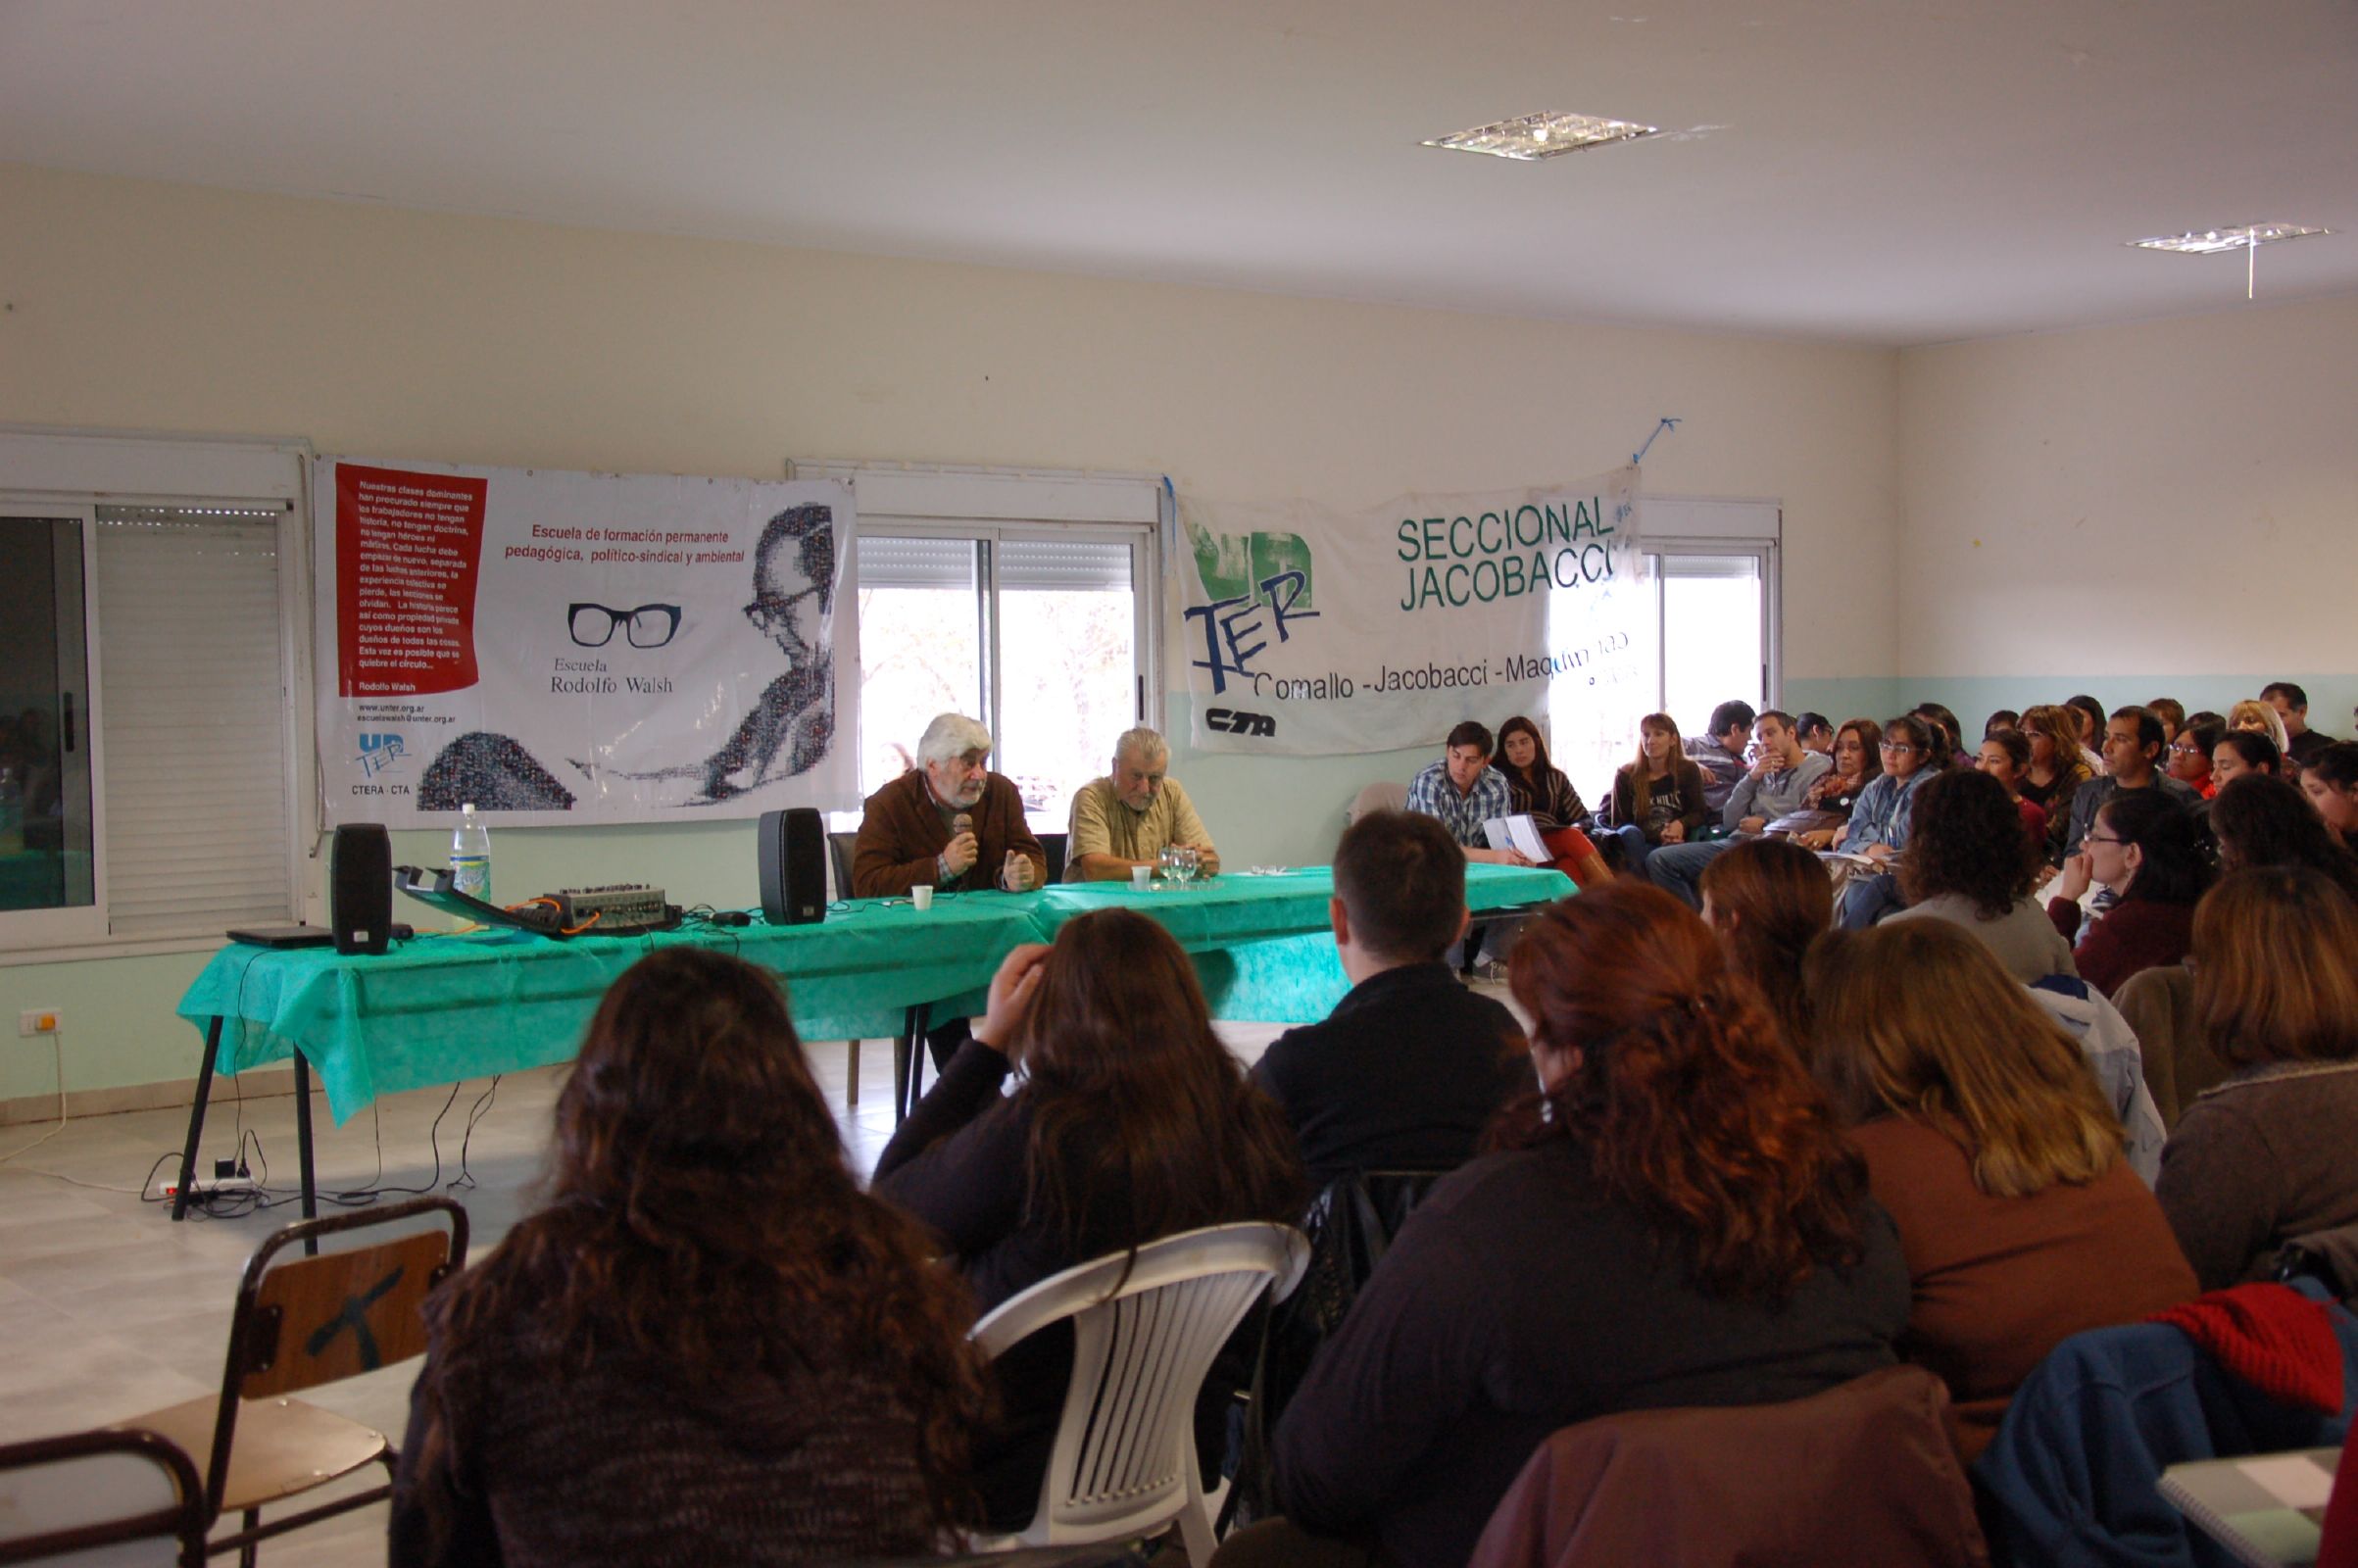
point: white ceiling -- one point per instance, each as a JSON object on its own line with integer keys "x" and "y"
{"x": 1890, "y": 171}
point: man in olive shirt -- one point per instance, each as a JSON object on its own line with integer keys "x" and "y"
{"x": 1126, "y": 819}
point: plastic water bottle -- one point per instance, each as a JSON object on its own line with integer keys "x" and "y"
{"x": 470, "y": 856}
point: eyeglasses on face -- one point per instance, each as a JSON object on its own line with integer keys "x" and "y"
{"x": 647, "y": 626}
{"x": 773, "y": 609}
{"x": 1897, "y": 746}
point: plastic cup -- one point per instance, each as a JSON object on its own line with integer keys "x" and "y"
{"x": 1142, "y": 877}
{"x": 922, "y": 896}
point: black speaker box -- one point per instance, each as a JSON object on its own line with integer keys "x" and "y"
{"x": 360, "y": 888}
{"x": 793, "y": 866}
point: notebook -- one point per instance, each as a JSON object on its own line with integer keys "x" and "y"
{"x": 2264, "y": 1508}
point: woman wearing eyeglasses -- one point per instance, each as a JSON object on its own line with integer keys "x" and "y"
{"x": 2190, "y": 756}
{"x": 2148, "y": 849}
{"x": 1880, "y": 821}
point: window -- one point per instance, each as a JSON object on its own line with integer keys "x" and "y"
{"x": 148, "y": 792}
{"x": 1025, "y": 600}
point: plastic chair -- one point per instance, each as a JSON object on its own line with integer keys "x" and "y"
{"x": 298, "y": 1325}
{"x": 1053, "y": 846}
{"x": 73, "y": 1496}
{"x": 1146, "y": 1328}
{"x": 2159, "y": 1005}
{"x": 1385, "y": 795}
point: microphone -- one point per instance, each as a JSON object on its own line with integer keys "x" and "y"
{"x": 961, "y": 824}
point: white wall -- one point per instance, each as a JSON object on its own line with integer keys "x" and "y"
{"x": 2168, "y": 509}
{"x": 432, "y": 337}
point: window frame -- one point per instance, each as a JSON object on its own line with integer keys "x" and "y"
{"x": 81, "y": 470}
{"x": 72, "y": 925}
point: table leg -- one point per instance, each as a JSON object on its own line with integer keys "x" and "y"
{"x": 303, "y": 1149}
{"x": 196, "y": 1118}
{"x": 908, "y": 1062}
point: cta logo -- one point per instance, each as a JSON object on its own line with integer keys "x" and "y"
{"x": 1229, "y": 721}
{"x": 380, "y": 751}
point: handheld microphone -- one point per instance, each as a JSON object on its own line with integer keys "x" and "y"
{"x": 961, "y": 824}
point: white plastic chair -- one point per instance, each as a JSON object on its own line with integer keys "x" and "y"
{"x": 1124, "y": 1459}
{"x": 1385, "y": 795}
{"x": 100, "y": 1499}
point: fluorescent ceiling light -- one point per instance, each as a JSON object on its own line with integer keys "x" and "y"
{"x": 1531, "y": 137}
{"x": 2236, "y": 237}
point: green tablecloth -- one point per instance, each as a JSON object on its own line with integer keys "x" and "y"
{"x": 441, "y": 1008}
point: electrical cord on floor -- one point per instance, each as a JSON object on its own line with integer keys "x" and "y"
{"x": 466, "y": 1179}
{"x": 57, "y": 1043}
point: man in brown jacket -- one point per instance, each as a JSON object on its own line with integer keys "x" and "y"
{"x": 910, "y": 835}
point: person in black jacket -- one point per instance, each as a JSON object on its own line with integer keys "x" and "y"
{"x": 1410, "y": 1066}
{"x": 1130, "y": 1122}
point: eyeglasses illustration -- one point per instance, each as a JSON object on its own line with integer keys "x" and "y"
{"x": 776, "y": 609}
{"x": 647, "y": 626}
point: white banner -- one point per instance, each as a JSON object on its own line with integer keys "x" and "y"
{"x": 1309, "y": 631}
{"x": 563, "y": 648}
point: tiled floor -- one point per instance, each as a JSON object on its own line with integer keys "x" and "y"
{"x": 107, "y": 1308}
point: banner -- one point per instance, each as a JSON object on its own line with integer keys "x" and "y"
{"x": 1310, "y": 631}
{"x": 564, "y": 647}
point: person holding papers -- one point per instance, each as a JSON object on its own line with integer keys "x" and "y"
{"x": 1541, "y": 791}
{"x": 1777, "y": 785}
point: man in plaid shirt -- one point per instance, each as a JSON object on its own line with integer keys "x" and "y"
{"x": 1464, "y": 791}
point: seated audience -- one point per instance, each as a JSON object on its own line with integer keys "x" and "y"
{"x": 2265, "y": 1156}
{"x": 708, "y": 1342}
{"x": 1882, "y": 818}
{"x": 1659, "y": 798}
{"x": 2057, "y": 770}
{"x": 2006, "y": 756}
{"x": 1968, "y": 862}
{"x": 2149, "y": 853}
{"x": 908, "y": 833}
{"x": 2190, "y": 756}
{"x": 1996, "y": 1156}
{"x": 2087, "y": 719}
{"x": 1676, "y": 1221}
{"x": 1410, "y": 1066}
{"x": 2264, "y": 718}
{"x": 1131, "y": 1122}
{"x": 2330, "y": 778}
{"x": 2261, "y": 822}
{"x": 2002, "y": 718}
{"x": 1721, "y": 753}
{"x": 2173, "y": 714}
{"x": 1857, "y": 760}
{"x": 1537, "y": 788}
{"x": 1464, "y": 792}
{"x": 1817, "y": 732}
{"x": 1127, "y": 818}
{"x": 1768, "y": 900}
{"x": 2301, "y": 743}
{"x": 1775, "y": 786}
{"x": 2132, "y": 757}
{"x": 2241, "y": 752}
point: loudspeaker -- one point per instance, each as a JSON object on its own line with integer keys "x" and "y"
{"x": 793, "y": 866}
{"x": 360, "y": 888}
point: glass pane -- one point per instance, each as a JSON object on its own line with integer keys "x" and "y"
{"x": 1713, "y": 647}
{"x": 1068, "y": 641}
{"x": 920, "y": 646}
{"x": 45, "y": 834}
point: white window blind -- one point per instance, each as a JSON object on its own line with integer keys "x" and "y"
{"x": 196, "y": 720}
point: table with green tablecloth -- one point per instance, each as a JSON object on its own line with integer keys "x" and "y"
{"x": 439, "y": 1008}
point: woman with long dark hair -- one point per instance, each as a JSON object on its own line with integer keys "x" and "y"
{"x": 1967, "y": 861}
{"x": 1769, "y": 901}
{"x": 2264, "y": 822}
{"x": 1857, "y": 762}
{"x": 1131, "y": 1122}
{"x": 708, "y": 1343}
{"x": 2241, "y": 752}
{"x": 2148, "y": 849}
{"x": 1657, "y": 796}
{"x": 2331, "y": 781}
{"x": 1996, "y": 1154}
{"x": 1676, "y": 1219}
{"x": 1537, "y": 788}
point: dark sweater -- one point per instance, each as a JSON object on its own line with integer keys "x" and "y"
{"x": 628, "y": 1465}
{"x": 1404, "y": 1075}
{"x": 903, "y": 832}
{"x": 2135, "y": 934}
{"x": 2259, "y": 1159}
{"x": 1633, "y": 793}
{"x": 1521, "y": 1298}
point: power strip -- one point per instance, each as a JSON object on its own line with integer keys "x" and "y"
{"x": 168, "y": 1186}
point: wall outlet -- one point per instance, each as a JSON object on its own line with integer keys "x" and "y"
{"x": 39, "y": 1021}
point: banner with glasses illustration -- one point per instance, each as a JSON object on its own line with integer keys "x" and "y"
{"x": 563, "y": 648}
{"x": 1310, "y": 631}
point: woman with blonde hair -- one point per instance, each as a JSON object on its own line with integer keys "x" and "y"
{"x": 2265, "y": 1156}
{"x": 1658, "y": 797}
{"x": 2057, "y": 768}
{"x": 2261, "y": 718}
{"x": 1992, "y": 1146}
